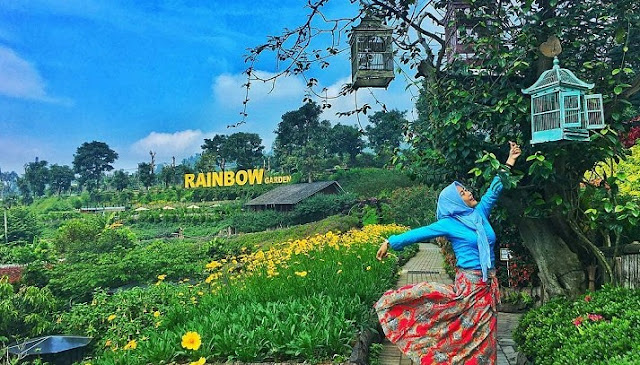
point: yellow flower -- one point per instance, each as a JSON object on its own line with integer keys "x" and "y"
{"x": 130, "y": 345}
{"x": 301, "y": 274}
{"x": 162, "y": 277}
{"x": 191, "y": 341}
{"x": 201, "y": 361}
{"x": 156, "y": 314}
{"x": 107, "y": 343}
{"x": 368, "y": 268}
{"x": 158, "y": 324}
{"x": 111, "y": 317}
{"x": 339, "y": 271}
{"x": 200, "y": 293}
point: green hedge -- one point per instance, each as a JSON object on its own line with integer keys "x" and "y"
{"x": 599, "y": 328}
{"x": 370, "y": 182}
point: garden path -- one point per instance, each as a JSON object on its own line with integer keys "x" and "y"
{"x": 427, "y": 266}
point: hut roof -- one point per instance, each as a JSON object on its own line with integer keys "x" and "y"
{"x": 293, "y": 193}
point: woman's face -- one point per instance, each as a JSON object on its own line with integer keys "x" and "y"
{"x": 467, "y": 197}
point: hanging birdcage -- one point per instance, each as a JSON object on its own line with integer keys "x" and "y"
{"x": 560, "y": 109}
{"x": 371, "y": 53}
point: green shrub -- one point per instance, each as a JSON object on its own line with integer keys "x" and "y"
{"x": 413, "y": 206}
{"x": 28, "y": 312}
{"x": 255, "y": 221}
{"x": 321, "y": 206}
{"x": 22, "y": 225}
{"x": 139, "y": 265}
{"x": 599, "y": 328}
{"x": 79, "y": 234}
{"x": 370, "y": 182}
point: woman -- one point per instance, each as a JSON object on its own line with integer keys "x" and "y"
{"x": 434, "y": 323}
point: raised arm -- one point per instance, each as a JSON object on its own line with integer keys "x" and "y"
{"x": 489, "y": 199}
{"x": 399, "y": 241}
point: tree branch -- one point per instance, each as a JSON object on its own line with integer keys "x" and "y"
{"x": 593, "y": 248}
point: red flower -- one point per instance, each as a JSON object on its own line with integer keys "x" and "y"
{"x": 578, "y": 321}
{"x": 595, "y": 317}
{"x": 587, "y": 298}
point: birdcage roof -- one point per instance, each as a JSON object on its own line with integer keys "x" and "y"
{"x": 557, "y": 77}
{"x": 371, "y": 23}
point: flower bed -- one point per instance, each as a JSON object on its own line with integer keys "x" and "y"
{"x": 302, "y": 299}
{"x": 599, "y": 328}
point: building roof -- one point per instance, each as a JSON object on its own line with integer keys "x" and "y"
{"x": 292, "y": 194}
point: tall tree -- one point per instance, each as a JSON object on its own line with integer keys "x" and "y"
{"x": 36, "y": 175}
{"x": 214, "y": 149}
{"x": 302, "y": 139}
{"x": 91, "y": 160}
{"x": 346, "y": 140}
{"x": 385, "y": 131}
{"x": 25, "y": 190}
{"x": 244, "y": 149}
{"x": 120, "y": 180}
{"x": 145, "y": 175}
{"x": 60, "y": 178}
{"x": 168, "y": 175}
{"x": 473, "y": 103}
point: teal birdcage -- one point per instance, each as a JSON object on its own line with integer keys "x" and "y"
{"x": 560, "y": 109}
{"x": 371, "y": 53}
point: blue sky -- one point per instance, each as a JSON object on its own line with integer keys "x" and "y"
{"x": 148, "y": 75}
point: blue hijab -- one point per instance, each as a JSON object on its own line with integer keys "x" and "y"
{"x": 450, "y": 204}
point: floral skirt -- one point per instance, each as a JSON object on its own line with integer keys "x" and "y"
{"x": 435, "y": 323}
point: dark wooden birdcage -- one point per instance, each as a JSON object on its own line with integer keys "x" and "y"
{"x": 371, "y": 53}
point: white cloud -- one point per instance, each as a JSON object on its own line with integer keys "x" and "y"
{"x": 180, "y": 144}
{"x": 229, "y": 92}
{"x": 20, "y": 79}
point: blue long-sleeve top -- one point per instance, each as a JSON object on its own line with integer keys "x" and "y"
{"x": 463, "y": 239}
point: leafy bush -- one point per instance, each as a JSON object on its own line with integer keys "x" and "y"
{"x": 321, "y": 206}
{"x": 370, "y": 182}
{"x": 599, "y": 328}
{"x": 413, "y": 206}
{"x": 140, "y": 265}
{"x": 79, "y": 234}
{"x": 255, "y": 221}
{"x": 25, "y": 253}
{"x": 28, "y": 312}
{"x": 22, "y": 225}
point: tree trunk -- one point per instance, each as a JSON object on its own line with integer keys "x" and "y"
{"x": 560, "y": 269}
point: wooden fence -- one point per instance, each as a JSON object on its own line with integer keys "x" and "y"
{"x": 626, "y": 265}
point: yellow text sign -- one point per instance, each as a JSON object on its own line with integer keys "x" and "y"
{"x": 230, "y": 178}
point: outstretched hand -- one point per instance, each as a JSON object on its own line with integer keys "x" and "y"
{"x": 382, "y": 251}
{"x": 514, "y": 153}
{"x": 514, "y": 150}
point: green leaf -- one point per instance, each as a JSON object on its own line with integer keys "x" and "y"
{"x": 618, "y": 90}
{"x": 615, "y": 71}
{"x": 620, "y": 34}
{"x": 627, "y": 70}
{"x": 608, "y": 207}
{"x": 619, "y": 208}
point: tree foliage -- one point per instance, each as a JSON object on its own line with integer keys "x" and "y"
{"x": 36, "y": 175}
{"x": 385, "y": 131}
{"x": 60, "y": 178}
{"x": 145, "y": 175}
{"x": 91, "y": 160}
{"x": 470, "y": 107}
{"x": 120, "y": 180}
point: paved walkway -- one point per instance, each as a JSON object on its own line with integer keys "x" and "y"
{"x": 427, "y": 266}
